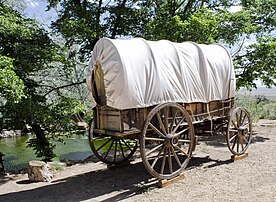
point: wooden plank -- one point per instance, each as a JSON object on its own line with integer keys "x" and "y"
{"x": 163, "y": 183}
{"x": 239, "y": 157}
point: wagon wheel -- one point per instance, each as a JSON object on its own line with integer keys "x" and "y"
{"x": 167, "y": 141}
{"x": 110, "y": 149}
{"x": 239, "y": 131}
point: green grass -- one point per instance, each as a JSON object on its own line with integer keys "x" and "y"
{"x": 260, "y": 107}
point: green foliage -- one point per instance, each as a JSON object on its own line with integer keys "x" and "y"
{"x": 42, "y": 149}
{"x": 59, "y": 119}
{"x": 212, "y": 22}
{"x": 260, "y": 107}
{"x": 97, "y": 19}
{"x": 18, "y": 5}
{"x": 11, "y": 86}
{"x": 261, "y": 99}
{"x": 177, "y": 20}
{"x": 34, "y": 81}
{"x": 258, "y": 61}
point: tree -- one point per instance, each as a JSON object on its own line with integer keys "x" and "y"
{"x": 202, "y": 21}
{"x": 32, "y": 89}
{"x": 212, "y": 22}
{"x": 82, "y": 22}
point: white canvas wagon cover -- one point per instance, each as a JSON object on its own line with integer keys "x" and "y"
{"x": 139, "y": 73}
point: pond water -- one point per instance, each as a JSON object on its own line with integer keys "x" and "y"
{"x": 17, "y": 155}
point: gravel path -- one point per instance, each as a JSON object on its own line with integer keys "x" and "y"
{"x": 211, "y": 176}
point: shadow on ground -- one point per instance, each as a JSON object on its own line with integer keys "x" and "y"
{"x": 120, "y": 183}
{"x": 220, "y": 140}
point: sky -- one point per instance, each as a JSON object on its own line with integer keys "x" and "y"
{"x": 37, "y": 9}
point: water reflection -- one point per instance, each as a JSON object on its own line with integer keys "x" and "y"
{"x": 17, "y": 155}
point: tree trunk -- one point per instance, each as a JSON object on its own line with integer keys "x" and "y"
{"x": 40, "y": 135}
{"x": 42, "y": 145}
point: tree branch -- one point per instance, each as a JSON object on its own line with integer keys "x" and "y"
{"x": 180, "y": 4}
{"x": 64, "y": 86}
{"x": 240, "y": 47}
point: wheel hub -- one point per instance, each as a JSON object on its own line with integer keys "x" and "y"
{"x": 171, "y": 140}
{"x": 242, "y": 131}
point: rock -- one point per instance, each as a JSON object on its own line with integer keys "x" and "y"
{"x": 10, "y": 133}
{"x": 38, "y": 172}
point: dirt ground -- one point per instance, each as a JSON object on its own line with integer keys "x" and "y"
{"x": 210, "y": 176}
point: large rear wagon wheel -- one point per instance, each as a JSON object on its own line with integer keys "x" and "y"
{"x": 239, "y": 131}
{"x": 167, "y": 141}
{"x": 110, "y": 149}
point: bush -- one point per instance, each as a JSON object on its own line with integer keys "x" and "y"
{"x": 260, "y": 107}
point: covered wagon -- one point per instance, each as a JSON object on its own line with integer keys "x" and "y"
{"x": 159, "y": 95}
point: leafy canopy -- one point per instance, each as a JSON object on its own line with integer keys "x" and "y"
{"x": 229, "y": 22}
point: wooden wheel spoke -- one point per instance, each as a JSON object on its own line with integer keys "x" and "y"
{"x": 157, "y": 157}
{"x": 156, "y": 130}
{"x": 237, "y": 120}
{"x": 246, "y": 124}
{"x": 234, "y": 136}
{"x": 163, "y": 160}
{"x": 122, "y": 150}
{"x": 154, "y": 139}
{"x": 242, "y": 147}
{"x": 115, "y": 152}
{"x": 176, "y": 157}
{"x": 233, "y": 131}
{"x": 241, "y": 143}
{"x": 125, "y": 143}
{"x": 170, "y": 160}
{"x": 161, "y": 123}
{"x": 243, "y": 119}
{"x": 184, "y": 141}
{"x": 154, "y": 149}
{"x": 179, "y": 149}
{"x": 238, "y": 144}
{"x": 173, "y": 120}
{"x": 234, "y": 143}
{"x": 181, "y": 132}
{"x": 177, "y": 126}
{"x": 240, "y": 119}
{"x": 244, "y": 139}
{"x": 104, "y": 144}
{"x": 109, "y": 148}
{"x": 235, "y": 125}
